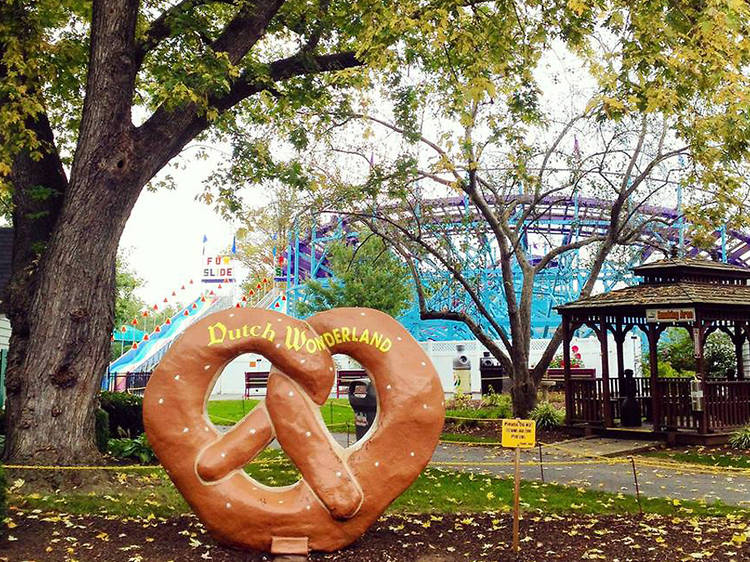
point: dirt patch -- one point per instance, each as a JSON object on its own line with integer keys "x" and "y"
{"x": 33, "y": 535}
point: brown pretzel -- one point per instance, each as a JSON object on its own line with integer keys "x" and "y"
{"x": 342, "y": 491}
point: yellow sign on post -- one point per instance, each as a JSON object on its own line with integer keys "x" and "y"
{"x": 519, "y": 433}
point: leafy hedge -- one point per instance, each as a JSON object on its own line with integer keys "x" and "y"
{"x": 125, "y": 413}
{"x": 101, "y": 429}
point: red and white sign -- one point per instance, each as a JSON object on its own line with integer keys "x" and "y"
{"x": 670, "y": 315}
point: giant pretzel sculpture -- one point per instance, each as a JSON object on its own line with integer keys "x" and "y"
{"x": 342, "y": 491}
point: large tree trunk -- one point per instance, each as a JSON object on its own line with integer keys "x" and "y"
{"x": 62, "y": 355}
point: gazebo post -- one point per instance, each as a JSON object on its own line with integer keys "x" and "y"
{"x": 567, "y": 336}
{"x": 700, "y": 367}
{"x": 605, "y": 372}
{"x": 739, "y": 342}
{"x": 652, "y": 335}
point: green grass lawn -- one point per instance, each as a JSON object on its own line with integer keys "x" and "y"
{"x": 435, "y": 491}
{"x": 710, "y": 457}
{"x": 336, "y": 412}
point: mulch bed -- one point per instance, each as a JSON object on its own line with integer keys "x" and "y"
{"x": 492, "y": 429}
{"x": 34, "y": 535}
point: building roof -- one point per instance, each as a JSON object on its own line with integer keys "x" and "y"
{"x": 692, "y": 264}
{"x": 669, "y": 294}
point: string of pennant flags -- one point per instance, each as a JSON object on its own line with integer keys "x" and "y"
{"x": 251, "y": 297}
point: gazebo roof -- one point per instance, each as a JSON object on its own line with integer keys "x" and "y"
{"x": 692, "y": 265}
{"x": 668, "y": 294}
{"x": 677, "y": 282}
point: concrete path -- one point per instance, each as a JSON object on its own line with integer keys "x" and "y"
{"x": 617, "y": 477}
{"x": 571, "y": 470}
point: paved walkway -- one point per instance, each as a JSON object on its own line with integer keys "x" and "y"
{"x": 572, "y": 470}
{"x": 610, "y": 477}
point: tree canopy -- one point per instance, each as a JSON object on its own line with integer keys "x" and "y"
{"x": 364, "y": 274}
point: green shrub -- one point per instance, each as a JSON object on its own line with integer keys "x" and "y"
{"x": 137, "y": 449}
{"x": 125, "y": 413}
{"x": 496, "y": 400}
{"x": 547, "y": 416}
{"x": 740, "y": 439}
{"x": 101, "y": 429}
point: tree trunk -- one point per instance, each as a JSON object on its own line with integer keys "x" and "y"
{"x": 523, "y": 388}
{"x": 60, "y": 360}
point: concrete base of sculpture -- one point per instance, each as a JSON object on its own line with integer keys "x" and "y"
{"x": 342, "y": 490}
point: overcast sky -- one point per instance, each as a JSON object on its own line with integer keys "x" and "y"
{"x": 163, "y": 238}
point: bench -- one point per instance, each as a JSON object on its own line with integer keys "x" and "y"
{"x": 557, "y": 374}
{"x": 255, "y": 380}
{"x": 346, "y": 376}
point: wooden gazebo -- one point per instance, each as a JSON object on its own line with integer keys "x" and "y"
{"x": 701, "y": 296}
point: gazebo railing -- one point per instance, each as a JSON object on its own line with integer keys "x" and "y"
{"x": 727, "y": 403}
{"x": 642, "y": 396}
{"x": 675, "y": 406}
{"x": 588, "y": 399}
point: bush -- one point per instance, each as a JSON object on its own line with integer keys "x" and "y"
{"x": 740, "y": 439}
{"x": 101, "y": 430}
{"x": 137, "y": 449}
{"x": 496, "y": 400}
{"x": 125, "y": 413}
{"x": 547, "y": 416}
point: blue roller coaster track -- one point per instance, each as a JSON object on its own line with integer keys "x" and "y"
{"x": 564, "y": 220}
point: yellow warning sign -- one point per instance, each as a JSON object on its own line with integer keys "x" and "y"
{"x": 519, "y": 433}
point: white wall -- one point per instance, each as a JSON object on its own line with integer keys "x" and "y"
{"x": 232, "y": 380}
{"x": 442, "y": 354}
{"x": 4, "y": 331}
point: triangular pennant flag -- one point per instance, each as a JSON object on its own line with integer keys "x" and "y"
{"x": 237, "y": 305}
{"x": 156, "y": 307}
{"x": 135, "y": 346}
{"x": 123, "y": 329}
{"x": 168, "y": 322}
{"x": 244, "y": 299}
{"x": 135, "y": 322}
{"x": 251, "y": 292}
{"x": 145, "y": 337}
{"x": 112, "y": 338}
{"x": 195, "y": 306}
{"x": 203, "y": 299}
{"x": 186, "y": 313}
{"x": 265, "y": 280}
{"x": 219, "y": 286}
{"x": 145, "y": 313}
{"x": 212, "y": 292}
{"x": 157, "y": 329}
{"x": 165, "y": 299}
{"x": 174, "y": 293}
{"x": 283, "y": 297}
{"x": 182, "y": 288}
{"x": 277, "y": 305}
{"x": 191, "y": 281}
{"x": 258, "y": 287}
